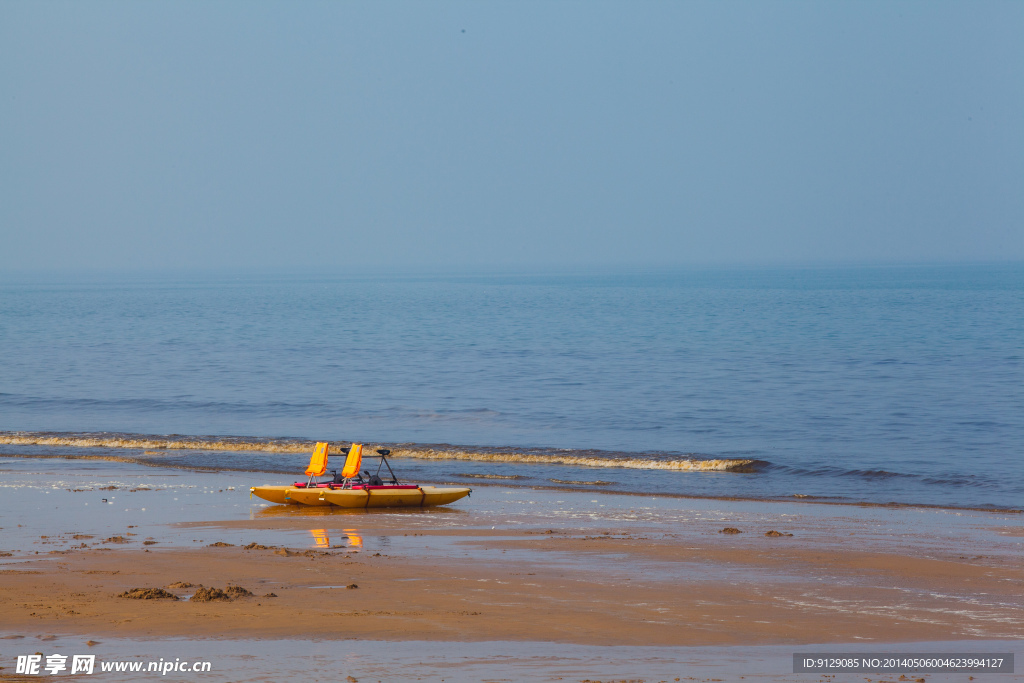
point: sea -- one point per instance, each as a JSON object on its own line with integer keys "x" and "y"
{"x": 876, "y": 385}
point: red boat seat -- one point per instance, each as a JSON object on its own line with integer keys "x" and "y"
{"x": 386, "y": 486}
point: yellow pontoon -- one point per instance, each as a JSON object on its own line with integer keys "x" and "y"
{"x": 350, "y": 490}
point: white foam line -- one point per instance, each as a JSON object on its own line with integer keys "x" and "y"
{"x": 680, "y": 465}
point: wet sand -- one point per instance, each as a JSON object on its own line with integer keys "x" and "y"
{"x": 615, "y": 595}
{"x": 504, "y": 565}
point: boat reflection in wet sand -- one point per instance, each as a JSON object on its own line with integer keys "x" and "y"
{"x": 354, "y": 489}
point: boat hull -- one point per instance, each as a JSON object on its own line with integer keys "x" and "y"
{"x": 373, "y": 497}
{"x": 305, "y": 496}
{"x": 423, "y": 496}
{"x": 436, "y": 495}
{"x": 288, "y": 495}
{"x": 274, "y": 494}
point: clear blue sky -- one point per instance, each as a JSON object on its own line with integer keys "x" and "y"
{"x": 290, "y": 134}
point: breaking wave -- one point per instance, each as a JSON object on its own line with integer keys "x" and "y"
{"x": 635, "y": 462}
{"x": 173, "y": 442}
{"x": 153, "y": 445}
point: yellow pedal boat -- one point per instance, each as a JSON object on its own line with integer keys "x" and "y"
{"x": 351, "y": 490}
{"x": 362, "y": 497}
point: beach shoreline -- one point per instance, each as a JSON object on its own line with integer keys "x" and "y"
{"x": 505, "y": 565}
{"x": 476, "y": 480}
{"x": 606, "y": 598}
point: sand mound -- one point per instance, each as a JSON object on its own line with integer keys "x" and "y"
{"x": 773, "y": 532}
{"x": 204, "y": 594}
{"x": 730, "y": 530}
{"x": 181, "y": 584}
{"x": 221, "y": 544}
{"x": 209, "y": 595}
{"x": 238, "y": 592}
{"x": 148, "y": 594}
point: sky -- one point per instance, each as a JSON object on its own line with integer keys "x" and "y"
{"x": 403, "y": 135}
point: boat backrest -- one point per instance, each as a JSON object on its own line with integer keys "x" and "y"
{"x": 318, "y": 462}
{"x": 353, "y": 461}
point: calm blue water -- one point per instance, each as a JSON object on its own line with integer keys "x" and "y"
{"x": 874, "y": 384}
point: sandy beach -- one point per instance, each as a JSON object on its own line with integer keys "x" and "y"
{"x": 605, "y": 587}
{"x": 506, "y": 565}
